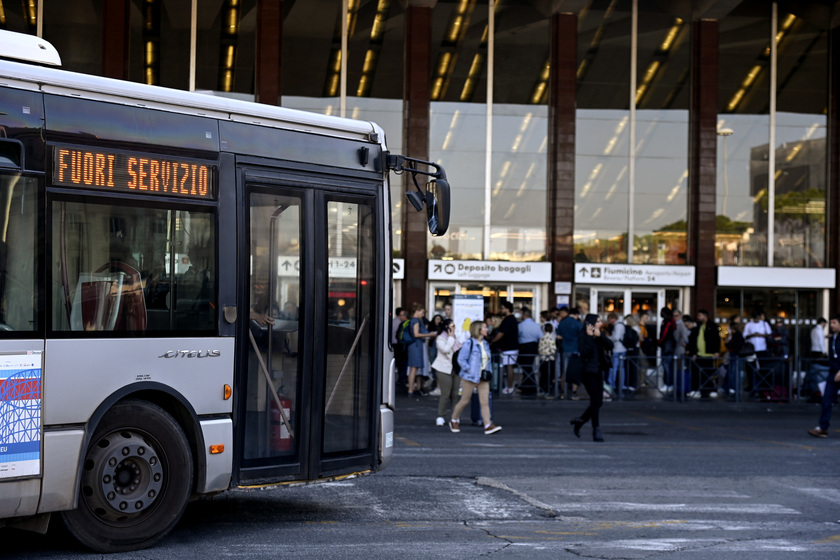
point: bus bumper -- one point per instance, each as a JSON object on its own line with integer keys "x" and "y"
{"x": 386, "y": 441}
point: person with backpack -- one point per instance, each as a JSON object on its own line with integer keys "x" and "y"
{"x": 631, "y": 340}
{"x": 447, "y": 368}
{"x": 474, "y": 359}
{"x": 548, "y": 353}
{"x": 414, "y": 337}
{"x": 401, "y": 323}
{"x": 616, "y": 331}
{"x": 668, "y": 344}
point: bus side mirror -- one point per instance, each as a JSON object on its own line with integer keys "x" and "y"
{"x": 437, "y": 205}
{"x": 436, "y": 197}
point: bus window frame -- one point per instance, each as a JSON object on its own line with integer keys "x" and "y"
{"x": 172, "y": 204}
{"x": 40, "y": 259}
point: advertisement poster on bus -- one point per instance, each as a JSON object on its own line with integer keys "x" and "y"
{"x": 466, "y": 310}
{"x": 20, "y": 414}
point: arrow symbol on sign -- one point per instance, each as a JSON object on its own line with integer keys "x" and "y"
{"x": 437, "y": 268}
{"x": 286, "y": 265}
{"x": 583, "y": 272}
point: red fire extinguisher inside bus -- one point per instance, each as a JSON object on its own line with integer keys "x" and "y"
{"x": 281, "y": 439}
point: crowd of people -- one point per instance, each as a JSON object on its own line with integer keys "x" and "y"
{"x": 565, "y": 349}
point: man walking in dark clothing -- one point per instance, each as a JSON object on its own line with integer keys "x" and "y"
{"x": 593, "y": 346}
{"x": 833, "y": 381}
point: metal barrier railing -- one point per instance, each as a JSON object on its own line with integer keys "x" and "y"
{"x": 676, "y": 378}
{"x": 737, "y": 378}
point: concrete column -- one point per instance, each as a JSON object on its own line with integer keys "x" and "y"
{"x": 115, "y": 14}
{"x": 560, "y": 220}
{"x": 702, "y": 161}
{"x": 269, "y": 51}
{"x": 833, "y": 155}
{"x": 416, "y": 105}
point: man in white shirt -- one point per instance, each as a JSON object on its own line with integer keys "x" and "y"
{"x": 756, "y": 332}
{"x": 818, "y": 339}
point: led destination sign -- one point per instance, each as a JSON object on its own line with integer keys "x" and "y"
{"x": 132, "y": 172}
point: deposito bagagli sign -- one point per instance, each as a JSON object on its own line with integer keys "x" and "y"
{"x": 490, "y": 270}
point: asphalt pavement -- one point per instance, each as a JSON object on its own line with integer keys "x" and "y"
{"x": 700, "y": 480}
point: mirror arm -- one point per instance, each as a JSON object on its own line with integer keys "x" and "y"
{"x": 398, "y": 164}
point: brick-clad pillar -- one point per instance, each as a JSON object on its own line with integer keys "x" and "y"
{"x": 115, "y": 39}
{"x": 416, "y": 104}
{"x": 269, "y": 48}
{"x": 560, "y": 220}
{"x": 702, "y": 161}
{"x": 833, "y": 155}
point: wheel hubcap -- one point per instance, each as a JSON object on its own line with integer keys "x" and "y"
{"x": 124, "y": 476}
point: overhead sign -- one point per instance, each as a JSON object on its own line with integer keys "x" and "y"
{"x": 498, "y": 271}
{"x": 340, "y": 267}
{"x": 398, "y": 268}
{"x": 634, "y": 274}
{"x": 776, "y": 277}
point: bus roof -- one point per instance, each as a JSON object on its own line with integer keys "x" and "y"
{"x": 62, "y": 82}
{"x": 29, "y": 48}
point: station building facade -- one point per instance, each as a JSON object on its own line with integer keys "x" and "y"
{"x": 618, "y": 154}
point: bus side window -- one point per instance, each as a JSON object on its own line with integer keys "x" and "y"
{"x": 19, "y": 253}
{"x": 114, "y": 265}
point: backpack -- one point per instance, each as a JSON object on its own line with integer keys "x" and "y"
{"x": 404, "y": 334}
{"x": 630, "y": 340}
{"x": 456, "y": 367}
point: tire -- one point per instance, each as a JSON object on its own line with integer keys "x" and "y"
{"x": 136, "y": 480}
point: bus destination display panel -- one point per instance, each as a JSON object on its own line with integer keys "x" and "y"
{"x": 133, "y": 172}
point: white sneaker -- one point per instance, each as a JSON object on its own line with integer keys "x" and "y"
{"x": 435, "y": 393}
{"x": 440, "y": 421}
{"x": 694, "y": 395}
{"x": 713, "y": 395}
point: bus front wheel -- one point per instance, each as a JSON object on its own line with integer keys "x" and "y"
{"x": 136, "y": 480}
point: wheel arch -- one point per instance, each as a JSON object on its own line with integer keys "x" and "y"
{"x": 170, "y": 400}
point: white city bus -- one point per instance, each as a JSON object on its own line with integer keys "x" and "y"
{"x": 194, "y": 296}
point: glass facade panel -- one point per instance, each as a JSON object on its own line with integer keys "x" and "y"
{"x": 602, "y": 141}
{"x": 601, "y": 185}
{"x": 744, "y": 130}
{"x": 604, "y": 56}
{"x": 800, "y": 190}
{"x": 64, "y": 24}
{"x": 518, "y": 194}
{"x": 376, "y": 34}
{"x": 661, "y": 178}
{"x": 458, "y": 138}
{"x": 661, "y": 187}
{"x": 742, "y": 169}
{"x": 226, "y": 50}
{"x": 159, "y": 42}
{"x": 802, "y": 93}
{"x": 520, "y": 129}
{"x": 800, "y": 149}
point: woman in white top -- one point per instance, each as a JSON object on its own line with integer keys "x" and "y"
{"x": 448, "y": 380}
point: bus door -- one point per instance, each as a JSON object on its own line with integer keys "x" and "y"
{"x": 309, "y": 383}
